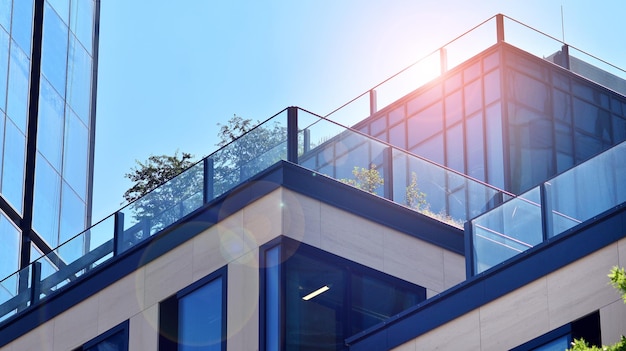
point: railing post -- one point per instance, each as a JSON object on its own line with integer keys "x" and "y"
{"x": 209, "y": 180}
{"x": 565, "y": 56}
{"x": 500, "y": 27}
{"x": 546, "y": 211}
{"x": 118, "y": 232}
{"x": 307, "y": 140}
{"x": 36, "y": 282}
{"x": 388, "y": 172}
{"x": 292, "y": 134}
{"x": 443, "y": 60}
{"x": 373, "y": 102}
{"x": 470, "y": 259}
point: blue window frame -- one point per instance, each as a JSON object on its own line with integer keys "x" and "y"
{"x": 115, "y": 339}
{"x": 314, "y": 300}
{"x": 195, "y": 318}
{"x": 587, "y": 328}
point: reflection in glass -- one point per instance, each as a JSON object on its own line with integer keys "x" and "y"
{"x": 4, "y": 62}
{"x": 13, "y": 166}
{"x": 200, "y": 318}
{"x": 47, "y": 199}
{"x": 76, "y": 154}
{"x": 22, "y": 27}
{"x": 79, "y": 80}
{"x": 81, "y": 22}
{"x": 17, "y": 95}
{"x": 54, "y": 49}
{"x": 50, "y": 123}
{"x": 10, "y": 248}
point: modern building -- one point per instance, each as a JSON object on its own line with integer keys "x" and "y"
{"x": 48, "y": 56}
{"x": 481, "y": 211}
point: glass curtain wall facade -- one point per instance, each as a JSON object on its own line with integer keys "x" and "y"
{"x": 48, "y": 51}
{"x": 505, "y": 117}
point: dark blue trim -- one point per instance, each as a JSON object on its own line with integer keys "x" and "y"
{"x": 485, "y": 287}
{"x": 285, "y": 174}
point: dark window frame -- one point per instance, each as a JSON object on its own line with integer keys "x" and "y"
{"x": 169, "y": 311}
{"x": 120, "y": 328}
{"x": 288, "y": 247}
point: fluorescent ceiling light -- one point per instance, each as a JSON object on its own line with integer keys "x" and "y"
{"x": 316, "y": 292}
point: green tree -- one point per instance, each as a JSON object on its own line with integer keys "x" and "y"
{"x": 365, "y": 179}
{"x": 617, "y": 278}
{"x": 414, "y": 197}
{"x": 162, "y": 193}
{"x": 242, "y": 157}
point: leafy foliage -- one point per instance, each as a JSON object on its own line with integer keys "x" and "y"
{"x": 617, "y": 276}
{"x": 415, "y": 198}
{"x": 239, "y": 159}
{"x": 365, "y": 179}
{"x": 162, "y": 193}
{"x": 155, "y": 171}
{"x": 582, "y": 345}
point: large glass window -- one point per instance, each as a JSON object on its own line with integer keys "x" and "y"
{"x": 54, "y": 50}
{"x": 22, "y": 27}
{"x": 10, "y": 248}
{"x": 13, "y": 165}
{"x": 320, "y": 299}
{"x": 195, "y": 318}
{"x": 50, "y": 123}
{"x": 4, "y": 61}
{"x": 46, "y": 201}
{"x": 115, "y": 339}
{"x": 17, "y": 95}
{"x": 79, "y": 80}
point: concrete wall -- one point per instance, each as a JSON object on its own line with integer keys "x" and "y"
{"x": 537, "y": 308}
{"x": 235, "y": 242}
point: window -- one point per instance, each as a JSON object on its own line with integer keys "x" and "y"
{"x": 587, "y": 327}
{"x": 115, "y": 339}
{"x": 314, "y": 300}
{"x": 195, "y": 318}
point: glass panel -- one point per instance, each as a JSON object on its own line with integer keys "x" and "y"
{"x": 4, "y": 62}
{"x": 475, "y": 147}
{"x": 17, "y": 96}
{"x": 560, "y": 344}
{"x": 62, "y": 8}
{"x": 82, "y": 18}
{"x": 592, "y": 119}
{"x": 472, "y": 72}
{"x": 254, "y": 152}
{"x": 455, "y": 146}
{"x": 163, "y": 206}
{"x": 492, "y": 87}
{"x": 50, "y": 123}
{"x": 424, "y": 99}
{"x": 115, "y": 342}
{"x": 12, "y": 296}
{"x": 473, "y": 97}
{"x": 200, "y": 318}
{"x": 599, "y": 187}
{"x": 425, "y": 124}
{"x": 454, "y": 108}
{"x": 79, "y": 80}
{"x": 491, "y": 61}
{"x": 506, "y": 231}
{"x": 10, "y": 248}
{"x": 13, "y": 167}
{"x": 22, "y": 30}
{"x": 76, "y": 153}
{"x": 5, "y": 15}
{"x": 73, "y": 213}
{"x": 397, "y": 136}
{"x": 47, "y": 202}
{"x": 54, "y": 50}
{"x": 396, "y": 116}
{"x": 495, "y": 146}
{"x": 431, "y": 149}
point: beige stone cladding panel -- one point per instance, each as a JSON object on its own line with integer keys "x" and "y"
{"x": 40, "y": 339}
{"x": 120, "y": 300}
{"x": 302, "y": 218}
{"x": 516, "y": 317}
{"x": 263, "y": 220}
{"x": 581, "y": 287}
{"x": 613, "y": 322}
{"x": 76, "y": 326}
{"x": 347, "y": 235}
{"x": 143, "y": 330}
{"x": 466, "y": 335}
{"x": 243, "y": 303}
{"x": 169, "y": 273}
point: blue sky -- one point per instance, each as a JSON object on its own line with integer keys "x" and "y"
{"x": 169, "y": 71}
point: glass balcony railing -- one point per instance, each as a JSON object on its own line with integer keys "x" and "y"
{"x": 317, "y": 143}
{"x": 498, "y": 28}
{"x": 549, "y": 209}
